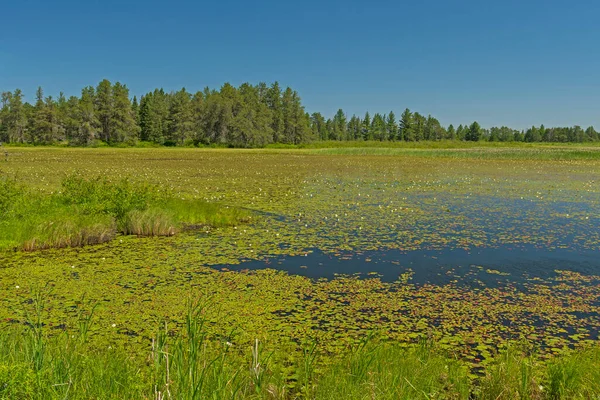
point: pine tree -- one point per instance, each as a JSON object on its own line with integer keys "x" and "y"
{"x": 89, "y": 124}
{"x": 318, "y": 126}
{"x": 474, "y": 132}
{"x": 154, "y": 111}
{"x": 104, "y": 108}
{"x": 340, "y": 126}
{"x": 392, "y": 127}
{"x": 17, "y": 118}
{"x": 39, "y": 128}
{"x": 419, "y": 126}
{"x": 366, "y": 127}
{"x": 122, "y": 126}
{"x": 180, "y": 121}
{"x": 378, "y": 127}
{"x": 354, "y": 128}
{"x": 135, "y": 107}
{"x": 296, "y": 125}
{"x": 406, "y": 126}
{"x": 4, "y": 116}
{"x": 451, "y": 132}
{"x": 273, "y": 99}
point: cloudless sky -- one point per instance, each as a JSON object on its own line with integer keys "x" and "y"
{"x": 514, "y": 63}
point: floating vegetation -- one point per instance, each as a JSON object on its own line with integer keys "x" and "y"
{"x": 310, "y": 206}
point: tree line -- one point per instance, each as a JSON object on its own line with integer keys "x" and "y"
{"x": 244, "y": 116}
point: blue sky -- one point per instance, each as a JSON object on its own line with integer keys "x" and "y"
{"x": 515, "y": 63}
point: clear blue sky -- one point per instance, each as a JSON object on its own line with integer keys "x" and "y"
{"x": 508, "y": 62}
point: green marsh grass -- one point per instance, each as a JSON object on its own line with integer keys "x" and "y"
{"x": 186, "y": 362}
{"x": 92, "y": 211}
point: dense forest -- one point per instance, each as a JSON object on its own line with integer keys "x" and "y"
{"x": 247, "y": 116}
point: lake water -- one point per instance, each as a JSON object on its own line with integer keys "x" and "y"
{"x": 476, "y": 267}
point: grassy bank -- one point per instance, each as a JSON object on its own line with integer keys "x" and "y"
{"x": 92, "y": 211}
{"x": 188, "y": 363}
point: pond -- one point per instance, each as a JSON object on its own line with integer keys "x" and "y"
{"x": 489, "y": 267}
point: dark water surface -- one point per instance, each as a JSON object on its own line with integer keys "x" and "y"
{"x": 476, "y": 267}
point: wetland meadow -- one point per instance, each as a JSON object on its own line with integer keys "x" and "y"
{"x": 328, "y": 273}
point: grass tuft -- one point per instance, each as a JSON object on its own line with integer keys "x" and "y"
{"x": 93, "y": 211}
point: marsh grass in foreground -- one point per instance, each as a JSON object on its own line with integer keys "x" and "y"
{"x": 188, "y": 363}
{"x": 92, "y": 211}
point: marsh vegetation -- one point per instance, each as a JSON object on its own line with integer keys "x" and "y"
{"x": 120, "y": 318}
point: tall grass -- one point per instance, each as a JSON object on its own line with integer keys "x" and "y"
{"x": 186, "y": 362}
{"x": 92, "y": 211}
{"x": 393, "y": 372}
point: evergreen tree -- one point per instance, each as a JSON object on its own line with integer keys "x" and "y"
{"x": 273, "y": 99}
{"x": 451, "y": 132}
{"x": 379, "y": 127}
{"x": 340, "y": 130}
{"x": 366, "y": 127}
{"x": 197, "y": 116}
{"x": 474, "y": 132}
{"x": 122, "y": 125}
{"x": 180, "y": 122}
{"x": 17, "y": 118}
{"x": 533, "y": 135}
{"x": 154, "y": 111}
{"x": 419, "y": 124}
{"x": 591, "y": 134}
{"x": 392, "y": 127}
{"x": 354, "y": 128}
{"x": 318, "y": 126}
{"x": 295, "y": 123}
{"x": 460, "y": 132}
{"x": 251, "y": 122}
{"x": 407, "y": 130}
{"x": 433, "y": 129}
{"x": 135, "y": 107}
{"x": 89, "y": 124}
{"x": 4, "y": 116}
{"x": 104, "y": 108}
{"x": 39, "y": 128}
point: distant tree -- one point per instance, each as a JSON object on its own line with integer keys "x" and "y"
{"x": 104, "y": 108}
{"x": 89, "y": 124}
{"x": 451, "y": 132}
{"x": 366, "y": 127}
{"x": 591, "y": 134}
{"x": 392, "y": 127}
{"x": 407, "y": 129}
{"x": 318, "y": 126}
{"x": 419, "y": 126}
{"x": 296, "y": 126}
{"x": 533, "y": 135}
{"x": 354, "y": 128}
{"x": 122, "y": 125}
{"x": 4, "y": 116}
{"x": 474, "y": 132}
{"x": 340, "y": 126}
{"x": 379, "y": 127}
{"x": 273, "y": 99}
{"x": 153, "y": 114}
{"x": 135, "y": 107}
{"x": 433, "y": 129}
{"x": 180, "y": 121}
{"x": 17, "y": 118}
{"x": 39, "y": 129}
